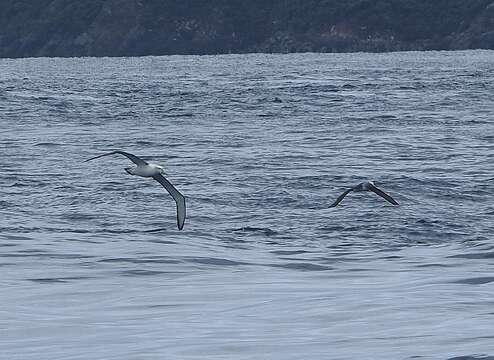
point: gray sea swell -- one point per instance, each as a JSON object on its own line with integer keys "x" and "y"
{"x": 93, "y": 266}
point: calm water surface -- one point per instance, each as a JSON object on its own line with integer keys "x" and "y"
{"x": 91, "y": 263}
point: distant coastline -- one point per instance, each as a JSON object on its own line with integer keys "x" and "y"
{"x": 164, "y": 27}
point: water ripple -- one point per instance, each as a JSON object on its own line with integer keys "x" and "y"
{"x": 260, "y": 145}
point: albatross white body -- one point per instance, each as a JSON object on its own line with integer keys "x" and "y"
{"x": 147, "y": 170}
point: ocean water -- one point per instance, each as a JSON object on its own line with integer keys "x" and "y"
{"x": 92, "y": 265}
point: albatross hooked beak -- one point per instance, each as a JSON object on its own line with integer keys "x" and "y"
{"x": 161, "y": 170}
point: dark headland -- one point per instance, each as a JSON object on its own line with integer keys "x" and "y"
{"x": 158, "y": 27}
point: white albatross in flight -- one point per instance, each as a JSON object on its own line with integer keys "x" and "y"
{"x": 154, "y": 171}
{"x": 366, "y": 186}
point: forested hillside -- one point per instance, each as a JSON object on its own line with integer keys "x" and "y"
{"x": 156, "y": 27}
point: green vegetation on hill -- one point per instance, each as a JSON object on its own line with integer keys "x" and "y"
{"x": 154, "y": 27}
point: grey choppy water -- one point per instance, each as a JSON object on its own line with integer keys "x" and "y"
{"x": 92, "y": 265}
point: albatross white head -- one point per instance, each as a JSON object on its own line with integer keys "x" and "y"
{"x": 365, "y": 186}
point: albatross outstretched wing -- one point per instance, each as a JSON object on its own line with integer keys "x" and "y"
{"x": 177, "y": 196}
{"x": 341, "y": 197}
{"x": 382, "y": 194}
{"x": 135, "y": 159}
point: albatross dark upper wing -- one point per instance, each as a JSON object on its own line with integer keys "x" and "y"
{"x": 341, "y": 198}
{"x": 177, "y": 196}
{"x": 382, "y": 194}
{"x": 135, "y": 159}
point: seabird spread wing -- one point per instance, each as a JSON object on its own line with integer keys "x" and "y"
{"x": 177, "y": 196}
{"x": 341, "y": 198}
{"x": 135, "y": 159}
{"x": 382, "y": 194}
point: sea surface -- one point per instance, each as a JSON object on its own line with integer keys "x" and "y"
{"x": 92, "y": 265}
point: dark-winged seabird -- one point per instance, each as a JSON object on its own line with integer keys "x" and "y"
{"x": 366, "y": 186}
{"x": 154, "y": 171}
